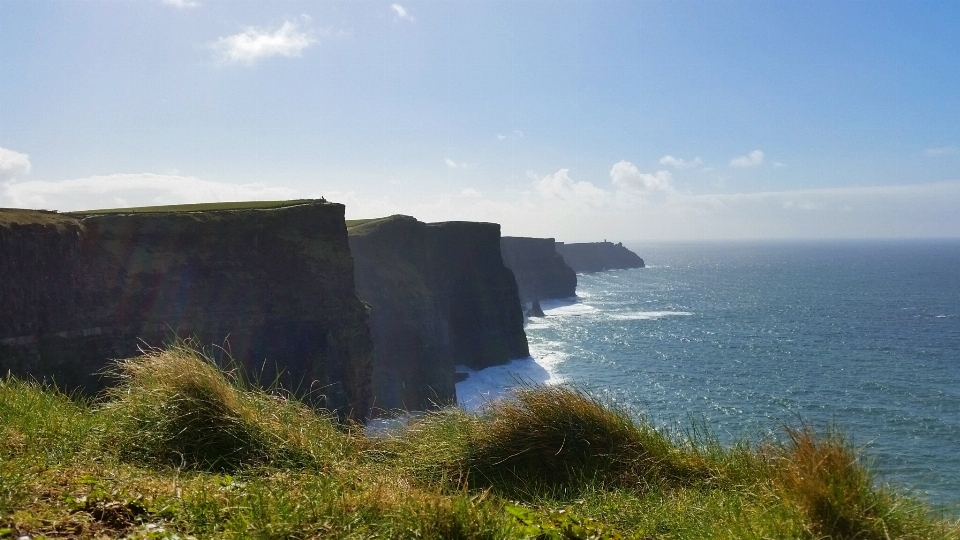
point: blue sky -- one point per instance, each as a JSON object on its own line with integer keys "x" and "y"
{"x": 578, "y": 120}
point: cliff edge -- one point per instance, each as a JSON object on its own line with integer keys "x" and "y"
{"x": 598, "y": 256}
{"x": 540, "y": 271}
{"x": 270, "y": 284}
{"x": 439, "y": 296}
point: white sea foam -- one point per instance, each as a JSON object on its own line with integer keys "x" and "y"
{"x": 492, "y": 383}
{"x": 647, "y": 315}
{"x": 565, "y": 307}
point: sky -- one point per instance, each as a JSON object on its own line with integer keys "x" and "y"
{"x": 579, "y": 120}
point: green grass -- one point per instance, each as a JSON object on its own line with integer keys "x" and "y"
{"x": 17, "y": 216}
{"x": 199, "y": 207}
{"x": 354, "y": 222}
{"x": 365, "y": 226}
{"x": 181, "y": 447}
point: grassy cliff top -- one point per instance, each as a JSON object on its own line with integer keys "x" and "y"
{"x": 17, "y": 216}
{"x": 366, "y": 226}
{"x": 201, "y": 207}
{"x": 182, "y": 448}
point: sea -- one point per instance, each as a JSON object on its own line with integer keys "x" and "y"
{"x": 749, "y": 337}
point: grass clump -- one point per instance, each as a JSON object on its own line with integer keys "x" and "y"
{"x": 175, "y": 407}
{"x": 556, "y": 437}
{"x": 826, "y": 479}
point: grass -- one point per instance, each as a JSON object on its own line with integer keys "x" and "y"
{"x": 17, "y": 216}
{"x": 182, "y": 448}
{"x": 198, "y": 207}
{"x": 354, "y": 222}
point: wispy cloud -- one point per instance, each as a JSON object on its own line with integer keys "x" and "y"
{"x": 941, "y": 151}
{"x": 512, "y": 136}
{"x": 679, "y": 163}
{"x": 401, "y": 12}
{"x": 753, "y": 159}
{"x": 253, "y": 44}
{"x": 13, "y": 164}
{"x": 182, "y": 4}
{"x": 454, "y": 165}
{"x": 123, "y": 190}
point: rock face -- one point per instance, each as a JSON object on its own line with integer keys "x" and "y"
{"x": 540, "y": 271}
{"x": 598, "y": 256}
{"x": 273, "y": 286}
{"x": 439, "y": 296}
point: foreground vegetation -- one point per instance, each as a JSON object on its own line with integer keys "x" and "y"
{"x": 183, "y": 449}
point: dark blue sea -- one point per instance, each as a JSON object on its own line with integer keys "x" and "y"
{"x": 861, "y": 336}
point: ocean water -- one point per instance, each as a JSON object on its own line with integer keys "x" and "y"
{"x": 863, "y": 336}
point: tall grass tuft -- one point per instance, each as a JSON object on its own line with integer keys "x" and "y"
{"x": 557, "y": 437}
{"x": 837, "y": 493}
{"x": 175, "y": 407}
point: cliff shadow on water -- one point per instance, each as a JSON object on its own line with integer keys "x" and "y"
{"x": 439, "y": 296}
{"x": 270, "y": 283}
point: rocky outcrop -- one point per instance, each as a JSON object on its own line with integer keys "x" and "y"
{"x": 540, "y": 271}
{"x": 272, "y": 286}
{"x": 598, "y": 256}
{"x": 439, "y": 296}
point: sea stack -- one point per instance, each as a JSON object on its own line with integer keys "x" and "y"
{"x": 535, "y": 310}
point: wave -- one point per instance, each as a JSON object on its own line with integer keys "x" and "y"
{"x": 647, "y": 315}
{"x": 565, "y": 307}
{"x": 489, "y": 384}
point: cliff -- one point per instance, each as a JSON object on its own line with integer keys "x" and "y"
{"x": 273, "y": 285}
{"x": 439, "y": 296}
{"x": 598, "y": 256}
{"x": 540, "y": 271}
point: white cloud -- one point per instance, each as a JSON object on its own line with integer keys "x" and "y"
{"x": 626, "y": 175}
{"x": 123, "y": 190}
{"x": 470, "y": 192}
{"x": 513, "y": 135}
{"x": 554, "y": 207}
{"x": 13, "y": 164}
{"x": 255, "y": 43}
{"x": 679, "y": 163}
{"x": 401, "y": 12}
{"x": 753, "y": 159}
{"x": 940, "y": 151}
{"x": 182, "y": 4}
{"x": 454, "y": 165}
{"x": 560, "y": 186}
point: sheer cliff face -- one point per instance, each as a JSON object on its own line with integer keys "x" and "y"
{"x": 539, "y": 270}
{"x": 271, "y": 286}
{"x": 439, "y": 296}
{"x": 598, "y": 256}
